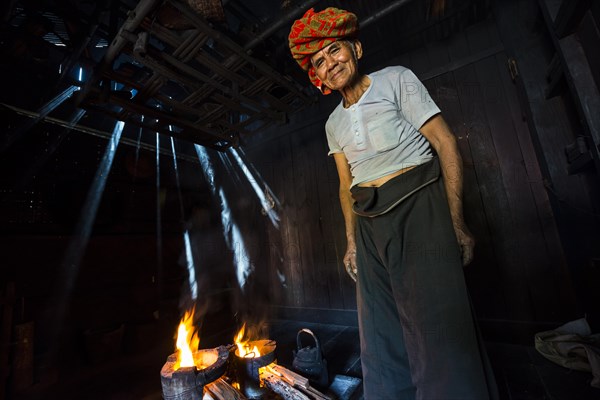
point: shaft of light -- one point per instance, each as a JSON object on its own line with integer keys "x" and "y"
{"x": 159, "y": 266}
{"x": 190, "y": 265}
{"x": 80, "y": 238}
{"x": 233, "y": 172}
{"x": 54, "y": 145}
{"x": 75, "y": 118}
{"x": 137, "y": 148}
{"x": 17, "y": 132}
{"x": 92, "y": 202}
{"x": 57, "y": 101}
{"x": 236, "y": 243}
{"x": 186, "y": 238}
{"x": 268, "y": 207}
{"x": 175, "y": 166}
{"x": 231, "y": 232}
{"x": 258, "y": 176}
{"x": 207, "y": 168}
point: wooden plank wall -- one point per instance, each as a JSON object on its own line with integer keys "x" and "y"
{"x": 553, "y": 124}
{"x": 520, "y": 272}
{"x": 519, "y": 275}
{"x": 308, "y": 247}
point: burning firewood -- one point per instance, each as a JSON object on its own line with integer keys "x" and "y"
{"x": 293, "y": 378}
{"x": 288, "y": 384}
{"x": 221, "y": 390}
{"x": 283, "y": 388}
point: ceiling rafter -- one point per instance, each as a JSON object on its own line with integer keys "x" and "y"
{"x": 225, "y": 92}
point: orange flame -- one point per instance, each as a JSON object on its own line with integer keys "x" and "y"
{"x": 187, "y": 341}
{"x": 244, "y": 346}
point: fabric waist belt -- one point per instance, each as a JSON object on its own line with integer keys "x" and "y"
{"x": 374, "y": 201}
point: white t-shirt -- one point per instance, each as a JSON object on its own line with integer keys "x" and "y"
{"x": 379, "y": 133}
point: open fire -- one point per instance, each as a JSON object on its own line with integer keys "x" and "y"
{"x": 189, "y": 370}
{"x": 243, "y": 345}
{"x": 250, "y": 356}
{"x": 187, "y": 339}
{"x": 192, "y": 374}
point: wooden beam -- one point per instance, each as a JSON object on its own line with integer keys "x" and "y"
{"x": 589, "y": 36}
{"x": 569, "y": 15}
{"x": 175, "y": 40}
{"x": 135, "y": 18}
{"x": 108, "y": 135}
{"x": 580, "y": 80}
{"x": 263, "y": 68}
{"x": 554, "y": 76}
{"x": 586, "y": 95}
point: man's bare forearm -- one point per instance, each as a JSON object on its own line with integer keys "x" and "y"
{"x": 452, "y": 170}
{"x": 346, "y": 201}
{"x": 443, "y": 141}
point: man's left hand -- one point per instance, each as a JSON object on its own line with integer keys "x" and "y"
{"x": 466, "y": 241}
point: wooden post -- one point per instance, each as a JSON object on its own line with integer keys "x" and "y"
{"x": 6, "y": 302}
{"x": 22, "y": 365}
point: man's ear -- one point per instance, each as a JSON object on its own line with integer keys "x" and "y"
{"x": 358, "y": 48}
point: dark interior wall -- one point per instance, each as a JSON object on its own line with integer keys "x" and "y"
{"x": 113, "y": 287}
{"x": 294, "y": 163}
{"x": 557, "y": 86}
{"x": 520, "y": 276}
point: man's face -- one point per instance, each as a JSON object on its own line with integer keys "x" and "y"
{"x": 337, "y": 64}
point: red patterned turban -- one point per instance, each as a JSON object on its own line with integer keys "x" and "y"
{"x": 315, "y": 31}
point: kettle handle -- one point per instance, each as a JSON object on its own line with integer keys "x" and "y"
{"x": 299, "y": 342}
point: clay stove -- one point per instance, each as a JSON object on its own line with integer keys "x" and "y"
{"x": 187, "y": 383}
{"x": 247, "y": 364}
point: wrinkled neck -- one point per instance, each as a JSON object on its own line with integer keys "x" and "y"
{"x": 353, "y": 92}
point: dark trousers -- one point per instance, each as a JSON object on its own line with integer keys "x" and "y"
{"x": 418, "y": 339}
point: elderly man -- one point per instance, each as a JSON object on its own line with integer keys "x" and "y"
{"x": 401, "y": 196}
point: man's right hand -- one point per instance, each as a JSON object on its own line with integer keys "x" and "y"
{"x": 346, "y": 201}
{"x": 350, "y": 263}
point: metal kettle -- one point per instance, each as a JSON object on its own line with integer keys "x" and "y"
{"x": 309, "y": 360}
